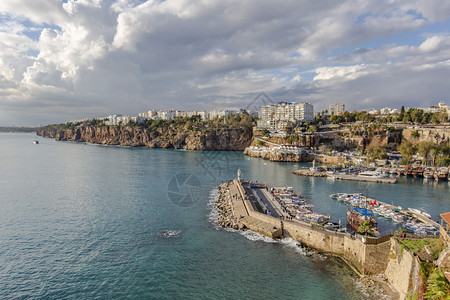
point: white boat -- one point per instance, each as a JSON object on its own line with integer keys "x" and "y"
{"x": 398, "y": 218}
{"x": 36, "y": 142}
{"x": 372, "y": 174}
{"x": 420, "y": 212}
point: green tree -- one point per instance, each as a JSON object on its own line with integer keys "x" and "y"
{"x": 375, "y": 149}
{"x": 407, "y": 150}
{"x": 365, "y": 228}
{"x": 424, "y": 148}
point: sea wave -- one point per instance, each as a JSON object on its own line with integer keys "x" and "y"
{"x": 213, "y": 214}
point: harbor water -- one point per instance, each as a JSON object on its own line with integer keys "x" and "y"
{"x": 89, "y": 221}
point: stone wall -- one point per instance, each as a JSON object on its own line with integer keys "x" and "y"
{"x": 402, "y": 269}
{"x": 435, "y": 135}
{"x": 366, "y": 258}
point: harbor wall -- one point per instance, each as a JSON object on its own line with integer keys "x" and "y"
{"x": 402, "y": 270}
{"x": 367, "y": 259}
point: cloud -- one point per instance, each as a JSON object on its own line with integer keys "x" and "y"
{"x": 92, "y": 58}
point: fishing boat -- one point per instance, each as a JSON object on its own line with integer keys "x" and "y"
{"x": 428, "y": 173}
{"x": 417, "y": 172}
{"x": 408, "y": 171}
{"x": 441, "y": 174}
{"x": 358, "y": 216}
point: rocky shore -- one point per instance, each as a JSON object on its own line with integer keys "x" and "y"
{"x": 207, "y": 139}
{"x": 307, "y": 172}
{"x": 227, "y": 218}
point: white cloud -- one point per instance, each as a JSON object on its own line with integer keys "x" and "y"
{"x": 97, "y": 57}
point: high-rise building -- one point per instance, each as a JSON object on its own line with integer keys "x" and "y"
{"x": 279, "y": 115}
{"x": 336, "y": 109}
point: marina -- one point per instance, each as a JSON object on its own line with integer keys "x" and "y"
{"x": 411, "y": 220}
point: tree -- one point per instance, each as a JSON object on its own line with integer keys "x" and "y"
{"x": 424, "y": 148}
{"x": 365, "y": 228}
{"x": 407, "y": 150}
{"x": 375, "y": 149}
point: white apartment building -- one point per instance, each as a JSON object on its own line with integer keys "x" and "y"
{"x": 279, "y": 115}
{"x": 112, "y": 119}
{"x": 336, "y": 109}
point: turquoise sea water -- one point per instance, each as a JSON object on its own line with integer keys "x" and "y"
{"x": 85, "y": 221}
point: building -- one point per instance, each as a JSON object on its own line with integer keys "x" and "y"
{"x": 282, "y": 114}
{"x": 336, "y": 109}
{"x": 113, "y": 119}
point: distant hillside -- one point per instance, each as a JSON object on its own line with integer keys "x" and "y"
{"x": 18, "y": 129}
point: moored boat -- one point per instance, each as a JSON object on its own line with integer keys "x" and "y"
{"x": 408, "y": 171}
{"x": 428, "y": 173}
{"x": 358, "y": 216}
{"x": 441, "y": 174}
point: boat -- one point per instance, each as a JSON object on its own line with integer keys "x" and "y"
{"x": 358, "y": 216}
{"x": 36, "y": 142}
{"x": 417, "y": 172}
{"x": 372, "y": 174}
{"x": 420, "y": 212}
{"x": 441, "y": 174}
{"x": 408, "y": 171}
{"x": 428, "y": 173}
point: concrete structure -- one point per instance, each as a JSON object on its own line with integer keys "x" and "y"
{"x": 336, "y": 109}
{"x": 282, "y": 114}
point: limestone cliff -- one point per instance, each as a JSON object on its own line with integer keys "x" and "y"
{"x": 206, "y": 139}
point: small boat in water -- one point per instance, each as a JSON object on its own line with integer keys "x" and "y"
{"x": 420, "y": 212}
{"x": 36, "y": 142}
{"x": 441, "y": 174}
{"x": 428, "y": 173}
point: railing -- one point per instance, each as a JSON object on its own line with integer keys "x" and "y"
{"x": 444, "y": 234}
{"x": 376, "y": 241}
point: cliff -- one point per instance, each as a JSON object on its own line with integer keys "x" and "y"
{"x": 177, "y": 138}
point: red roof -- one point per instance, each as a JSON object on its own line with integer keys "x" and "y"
{"x": 446, "y": 217}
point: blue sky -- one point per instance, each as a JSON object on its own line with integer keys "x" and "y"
{"x": 65, "y": 60}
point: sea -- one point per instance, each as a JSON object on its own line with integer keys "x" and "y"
{"x": 83, "y": 221}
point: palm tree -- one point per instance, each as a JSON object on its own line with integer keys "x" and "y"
{"x": 365, "y": 228}
{"x": 438, "y": 286}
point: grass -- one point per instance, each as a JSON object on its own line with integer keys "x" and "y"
{"x": 420, "y": 248}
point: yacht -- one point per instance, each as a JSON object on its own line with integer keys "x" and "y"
{"x": 372, "y": 174}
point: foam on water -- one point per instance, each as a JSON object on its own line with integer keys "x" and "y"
{"x": 213, "y": 215}
{"x": 256, "y": 237}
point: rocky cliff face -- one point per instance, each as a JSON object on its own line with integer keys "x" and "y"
{"x": 208, "y": 139}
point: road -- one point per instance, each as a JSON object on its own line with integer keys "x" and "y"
{"x": 268, "y": 203}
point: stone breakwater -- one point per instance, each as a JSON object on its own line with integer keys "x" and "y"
{"x": 227, "y": 218}
{"x": 307, "y": 172}
{"x": 206, "y": 139}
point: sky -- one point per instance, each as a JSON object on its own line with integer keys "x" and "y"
{"x": 66, "y": 60}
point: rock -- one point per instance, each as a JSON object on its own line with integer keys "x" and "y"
{"x": 207, "y": 139}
